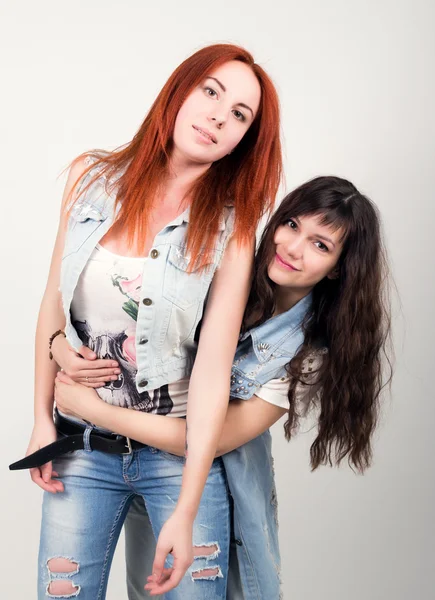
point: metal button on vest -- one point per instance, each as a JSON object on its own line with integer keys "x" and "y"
{"x": 143, "y": 383}
{"x": 147, "y": 301}
{"x": 154, "y": 253}
{"x": 143, "y": 341}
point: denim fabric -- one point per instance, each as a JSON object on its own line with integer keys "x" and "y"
{"x": 255, "y": 563}
{"x": 83, "y": 523}
{"x": 262, "y": 354}
{"x": 250, "y": 475}
{"x": 264, "y": 351}
{"x": 139, "y": 555}
{"x": 171, "y": 300}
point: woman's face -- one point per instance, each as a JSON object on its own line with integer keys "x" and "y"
{"x": 217, "y": 114}
{"x": 305, "y": 252}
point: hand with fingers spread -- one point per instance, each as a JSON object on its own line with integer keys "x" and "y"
{"x": 74, "y": 398}
{"x": 175, "y": 538}
{"x": 44, "y": 433}
{"x": 83, "y": 366}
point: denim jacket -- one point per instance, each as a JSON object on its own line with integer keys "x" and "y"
{"x": 171, "y": 300}
{"x": 262, "y": 354}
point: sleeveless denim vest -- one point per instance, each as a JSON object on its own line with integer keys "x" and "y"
{"x": 262, "y": 354}
{"x": 171, "y": 300}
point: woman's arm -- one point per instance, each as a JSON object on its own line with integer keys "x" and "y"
{"x": 207, "y": 405}
{"x": 210, "y": 380}
{"x": 244, "y": 420}
{"x": 50, "y": 319}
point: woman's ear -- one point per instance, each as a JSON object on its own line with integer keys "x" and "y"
{"x": 335, "y": 273}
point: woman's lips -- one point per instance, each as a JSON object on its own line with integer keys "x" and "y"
{"x": 284, "y": 264}
{"x": 206, "y": 135}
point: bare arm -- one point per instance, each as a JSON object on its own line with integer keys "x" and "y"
{"x": 50, "y": 319}
{"x": 244, "y": 420}
{"x": 206, "y": 408}
{"x": 210, "y": 381}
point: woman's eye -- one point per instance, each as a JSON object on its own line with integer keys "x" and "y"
{"x": 321, "y": 246}
{"x": 210, "y": 92}
{"x": 292, "y": 224}
{"x": 240, "y": 116}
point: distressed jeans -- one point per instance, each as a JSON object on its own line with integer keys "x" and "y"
{"x": 139, "y": 555}
{"x": 81, "y": 526}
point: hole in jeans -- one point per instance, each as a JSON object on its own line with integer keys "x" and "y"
{"x": 62, "y": 565}
{"x": 62, "y": 589}
{"x": 208, "y": 551}
{"x": 210, "y": 573}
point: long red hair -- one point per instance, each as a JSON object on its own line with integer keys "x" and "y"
{"x": 248, "y": 178}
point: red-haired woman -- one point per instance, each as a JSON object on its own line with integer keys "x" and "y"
{"x": 146, "y": 233}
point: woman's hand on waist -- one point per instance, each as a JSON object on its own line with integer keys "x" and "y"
{"x": 76, "y": 399}
{"x": 83, "y": 366}
{"x": 43, "y": 434}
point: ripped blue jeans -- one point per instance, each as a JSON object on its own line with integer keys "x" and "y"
{"x": 81, "y": 526}
{"x": 140, "y": 547}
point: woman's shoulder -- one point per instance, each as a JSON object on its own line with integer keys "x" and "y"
{"x": 76, "y": 173}
{"x": 91, "y": 188}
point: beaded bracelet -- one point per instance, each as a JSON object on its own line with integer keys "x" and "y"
{"x": 50, "y": 341}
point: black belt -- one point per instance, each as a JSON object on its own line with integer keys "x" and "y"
{"x": 73, "y": 439}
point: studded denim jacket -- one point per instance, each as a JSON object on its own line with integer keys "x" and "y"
{"x": 262, "y": 354}
{"x": 171, "y": 300}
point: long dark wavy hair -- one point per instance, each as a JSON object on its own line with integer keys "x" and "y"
{"x": 349, "y": 316}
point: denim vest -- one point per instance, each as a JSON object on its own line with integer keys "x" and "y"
{"x": 262, "y": 354}
{"x": 171, "y": 300}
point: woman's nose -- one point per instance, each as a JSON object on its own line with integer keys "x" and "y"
{"x": 295, "y": 248}
{"x": 218, "y": 120}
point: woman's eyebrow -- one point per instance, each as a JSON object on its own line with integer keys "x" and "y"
{"x": 323, "y": 237}
{"x": 221, "y": 85}
{"x": 246, "y": 106}
{"x": 224, "y": 89}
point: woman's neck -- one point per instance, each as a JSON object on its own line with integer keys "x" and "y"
{"x": 286, "y": 298}
{"x": 182, "y": 174}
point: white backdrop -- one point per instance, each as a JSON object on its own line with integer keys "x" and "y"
{"x": 356, "y": 82}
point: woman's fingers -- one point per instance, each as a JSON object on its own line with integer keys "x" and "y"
{"x": 97, "y": 381}
{"x": 77, "y": 367}
{"x": 95, "y": 372}
{"x": 99, "y": 374}
{"x": 91, "y": 365}
{"x": 50, "y": 485}
{"x": 94, "y": 386}
{"x": 64, "y": 378}
{"x": 87, "y": 353}
{"x": 152, "y": 583}
{"x": 93, "y": 379}
{"x": 169, "y": 579}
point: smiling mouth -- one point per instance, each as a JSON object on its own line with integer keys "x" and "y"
{"x": 205, "y": 133}
{"x": 287, "y": 265}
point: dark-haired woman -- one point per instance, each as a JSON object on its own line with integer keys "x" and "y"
{"x": 146, "y": 233}
{"x": 315, "y": 333}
